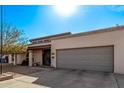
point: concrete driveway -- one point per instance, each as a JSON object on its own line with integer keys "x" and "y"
{"x": 61, "y": 78}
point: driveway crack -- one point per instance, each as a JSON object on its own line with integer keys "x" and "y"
{"x": 115, "y": 80}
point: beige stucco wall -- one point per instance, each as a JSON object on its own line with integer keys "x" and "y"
{"x": 115, "y": 38}
{"x": 37, "y": 56}
{"x": 30, "y": 57}
{"x": 20, "y": 58}
{"x": 10, "y": 59}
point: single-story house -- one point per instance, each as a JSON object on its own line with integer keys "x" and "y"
{"x": 14, "y": 59}
{"x": 99, "y": 50}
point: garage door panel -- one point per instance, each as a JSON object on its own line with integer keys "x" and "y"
{"x": 83, "y": 64}
{"x": 90, "y": 67}
{"x": 99, "y": 59}
{"x": 86, "y": 61}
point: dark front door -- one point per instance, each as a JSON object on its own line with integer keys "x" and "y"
{"x": 46, "y": 57}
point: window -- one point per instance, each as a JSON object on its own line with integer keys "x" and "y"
{"x": 41, "y": 41}
{"x": 46, "y": 41}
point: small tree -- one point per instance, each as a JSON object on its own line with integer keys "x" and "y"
{"x": 14, "y": 41}
{"x": 12, "y": 35}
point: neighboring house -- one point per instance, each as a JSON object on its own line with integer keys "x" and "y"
{"x": 99, "y": 50}
{"x": 14, "y": 59}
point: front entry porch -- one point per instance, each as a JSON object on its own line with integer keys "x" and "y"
{"x": 40, "y": 56}
{"x": 46, "y": 55}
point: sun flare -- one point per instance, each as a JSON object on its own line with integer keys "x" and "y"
{"x": 65, "y": 10}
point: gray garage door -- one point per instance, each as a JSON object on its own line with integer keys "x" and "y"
{"x": 98, "y": 58}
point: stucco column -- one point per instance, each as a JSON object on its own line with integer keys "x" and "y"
{"x": 14, "y": 62}
{"x": 9, "y": 58}
{"x": 30, "y": 57}
{"x": 41, "y": 57}
{"x": 53, "y": 57}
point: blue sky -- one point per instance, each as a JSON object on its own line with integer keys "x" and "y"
{"x": 38, "y": 21}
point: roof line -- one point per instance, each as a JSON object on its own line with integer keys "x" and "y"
{"x": 50, "y": 36}
{"x": 103, "y": 30}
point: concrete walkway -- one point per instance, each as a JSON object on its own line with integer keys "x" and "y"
{"x": 21, "y": 82}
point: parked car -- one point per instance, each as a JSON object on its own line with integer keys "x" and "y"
{"x": 3, "y": 60}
